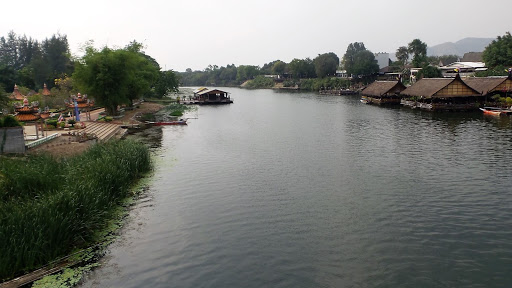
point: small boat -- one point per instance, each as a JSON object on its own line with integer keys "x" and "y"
{"x": 365, "y": 100}
{"x": 496, "y": 111}
{"x": 165, "y": 123}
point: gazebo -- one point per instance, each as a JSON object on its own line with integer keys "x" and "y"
{"x": 79, "y": 102}
{"x": 29, "y": 113}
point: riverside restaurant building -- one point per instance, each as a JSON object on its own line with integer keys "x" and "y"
{"x": 442, "y": 94}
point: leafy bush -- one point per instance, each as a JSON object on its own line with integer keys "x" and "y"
{"x": 52, "y": 122}
{"x": 10, "y": 121}
{"x": 260, "y": 82}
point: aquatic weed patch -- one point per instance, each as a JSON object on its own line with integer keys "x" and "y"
{"x": 175, "y": 109}
{"x": 55, "y": 219}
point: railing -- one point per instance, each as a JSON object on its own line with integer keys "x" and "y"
{"x": 42, "y": 140}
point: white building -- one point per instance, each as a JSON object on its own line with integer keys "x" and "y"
{"x": 464, "y": 69}
{"x": 382, "y": 59}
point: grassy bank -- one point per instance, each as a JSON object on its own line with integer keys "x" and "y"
{"x": 50, "y": 207}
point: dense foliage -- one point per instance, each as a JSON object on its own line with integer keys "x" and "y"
{"x": 326, "y": 64}
{"x": 302, "y": 68}
{"x": 261, "y": 82}
{"x": 359, "y": 61}
{"x": 50, "y": 206}
{"x": 116, "y": 77}
{"x": 9, "y": 121}
{"x": 430, "y": 72}
{"x": 30, "y": 63}
{"x": 418, "y": 49}
{"x": 499, "y": 52}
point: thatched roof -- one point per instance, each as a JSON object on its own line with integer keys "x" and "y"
{"x": 440, "y": 87}
{"x": 485, "y": 85}
{"x": 379, "y": 88}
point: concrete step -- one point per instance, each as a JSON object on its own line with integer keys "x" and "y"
{"x": 103, "y": 131}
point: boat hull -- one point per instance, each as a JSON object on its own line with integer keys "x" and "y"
{"x": 496, "y": 111}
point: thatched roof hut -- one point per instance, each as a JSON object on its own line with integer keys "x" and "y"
{"x": 440, "y": 88}
{"x": 383, "y": 88}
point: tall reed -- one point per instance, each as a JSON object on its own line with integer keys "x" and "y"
{"x": 72, "y": 199}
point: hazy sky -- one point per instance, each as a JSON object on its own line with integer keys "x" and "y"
{"x": 182, "y": 34}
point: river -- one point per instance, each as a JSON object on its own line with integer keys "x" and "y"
{"x": 287, "y": 189}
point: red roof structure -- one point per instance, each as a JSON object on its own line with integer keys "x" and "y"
{"x": 81, "y": 101}
{"x": 26, "y": 112}
{"x": 16, "y": 94}
{"x": 46, "y": 92}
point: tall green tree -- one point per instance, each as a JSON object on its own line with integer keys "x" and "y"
{"x": 349, "y": 57}
{"x": 364, "y": 64}
{"x": 402, "y": 55}
{"x": 108, "y": 76}
{"x": 167, "y": 82}
{"x": 418, "y": 49}
{"x": 302, "y": 68}
{"x": 359, "y": 61}
{"x": 326, "y": 64}
{"x": 144, "y": 73}
{"x": 247, "y": 72}
{"x": 57, "y": 57}
{"x": 278, "y": 68}
{"x": 499, "y": 52}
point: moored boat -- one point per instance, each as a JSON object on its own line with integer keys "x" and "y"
{"x": 496, "y": 111}
{"x": 164, "y": 123}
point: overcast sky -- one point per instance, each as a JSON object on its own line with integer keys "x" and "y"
{"x": 182, "y": 34}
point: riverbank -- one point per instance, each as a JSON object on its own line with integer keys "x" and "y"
{"x": 312, "y": 84}
{"x": 52, "y": 207}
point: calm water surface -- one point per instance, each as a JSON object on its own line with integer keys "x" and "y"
{"x": 303, "y": 190}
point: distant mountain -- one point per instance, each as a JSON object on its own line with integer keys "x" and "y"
{"x": 460, "y": 47}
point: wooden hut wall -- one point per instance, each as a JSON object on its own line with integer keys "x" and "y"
{"x": 506, "y": 86}
{"x": 456, "y": 89}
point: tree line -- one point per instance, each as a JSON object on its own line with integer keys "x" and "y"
{"x": 30, "y": 63}
{"x": 321, "y": 66}
{"x": 358, "y": 62}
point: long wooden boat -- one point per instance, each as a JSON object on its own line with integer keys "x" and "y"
{"x": 496, "y": 111}
{"x": 164, "y": 123}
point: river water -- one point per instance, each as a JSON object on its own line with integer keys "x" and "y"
{"x": 302, "y": 190}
